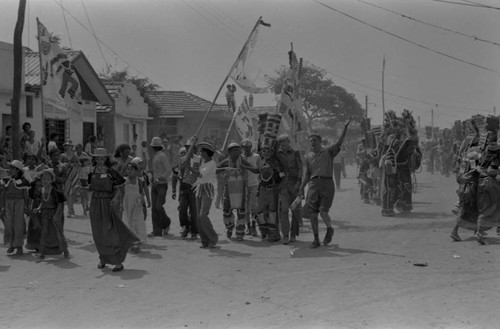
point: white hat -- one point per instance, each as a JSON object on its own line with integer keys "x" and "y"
{"x": 17, "y": 164}
{"x": 136, "y": 160}
{"x": 156, "y": 142}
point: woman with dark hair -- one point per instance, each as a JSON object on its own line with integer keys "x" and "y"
{"x": 122, "y": 157}
{"x": 205, "y": 191}
{"x": 111, "y": 236}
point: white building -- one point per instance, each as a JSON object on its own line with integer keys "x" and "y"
{"x": 44, "y": 122}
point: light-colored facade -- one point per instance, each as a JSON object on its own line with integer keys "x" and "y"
{"x": 77, "y": 127}
{"x": 28, "y": 107}
{"x": 125, "y": 121}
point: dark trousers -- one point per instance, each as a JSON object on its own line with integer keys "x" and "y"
{"x": 159, "y": 216}
{"x": 404, "y": 188}
{"x": 187, "y": 200}
{"x": 389, "y": 191}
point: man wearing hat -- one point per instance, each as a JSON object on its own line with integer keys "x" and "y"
{"x": 234, "y": 170}
{"x": 289, "y": 192}
{"x": 161, "y": 173}
{"x": 318, "y": 171}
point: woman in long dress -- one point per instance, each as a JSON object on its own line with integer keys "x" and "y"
{"x": 111, "y": 236}
{"x": 205, "y": 191}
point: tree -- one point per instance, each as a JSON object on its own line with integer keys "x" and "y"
{"x": 322, "y": 98}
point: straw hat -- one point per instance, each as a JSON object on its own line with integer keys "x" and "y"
{"x": 156, "y": 142}
{"x": 100, "y": 152}
{"x": 315, "y": 134}
{"x": 49, "y": 171}
{"x": 136, "y": 160}
{"x": 17, "y": 164}
{"x": 246, "y": 142}
{"x": 283, "y": 137}
{"x": 206, "y": 146}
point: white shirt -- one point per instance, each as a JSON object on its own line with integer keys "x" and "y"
{"x": 254, "y": 160}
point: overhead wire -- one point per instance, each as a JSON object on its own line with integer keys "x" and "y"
{"x": 407, "y": 40}
{"x": 102, "y": 42}
{"x": 94, "y": 34}
{"x": 481, "y": 5}
{"x": 66, "y": 23}
{"x": 430, "y": 24}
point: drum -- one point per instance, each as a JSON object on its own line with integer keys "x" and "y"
{"x": 235, "y": 187}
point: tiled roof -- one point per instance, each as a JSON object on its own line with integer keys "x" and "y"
{"x": 172, "y": 103}
{"x": 32, "y": 65}
{"x": 255, "y": 111}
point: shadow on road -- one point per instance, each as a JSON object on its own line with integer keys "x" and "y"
{"x": 228, "y": 253}
{"x": 303, "y": 251}
{"x": 4, "y": 268}
{"x": 128, "y": 274}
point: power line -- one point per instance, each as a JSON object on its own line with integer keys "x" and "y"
{"x": 481, "y": 5}
{"x": 103, "y": 43}
{"x": 404, "y": 39}
{"x": 94, "y": 34}
{"x": 430, "y": 24}
{"x": 66, "y": 23}
{"x": 457, "y": 3}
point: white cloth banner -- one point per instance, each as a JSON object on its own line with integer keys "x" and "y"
{"x": 60, "y": 85}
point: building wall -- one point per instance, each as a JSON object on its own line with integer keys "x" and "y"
{"x": 6, "y": 90}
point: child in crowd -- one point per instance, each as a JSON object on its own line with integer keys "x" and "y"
{"x": 133, "y": 204}
{"x": 15, "y": 200}
{"x": 52, "y": 240}
{"x": 83, "y": 175}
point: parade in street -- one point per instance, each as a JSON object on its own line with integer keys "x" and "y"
{"x": 281, "y": 202}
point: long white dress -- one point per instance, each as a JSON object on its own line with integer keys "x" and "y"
{"x": 133, "y": 204}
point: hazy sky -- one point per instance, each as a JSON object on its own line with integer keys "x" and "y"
{"x": 190, "y": 45}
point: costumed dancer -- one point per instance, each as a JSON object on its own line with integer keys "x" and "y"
{"x": 111, "y": 236}
{"x": 272, "y": 179}
{"x": 14, "y": 191}
{"x": 393, "y": 129}
{"x": 288, "y": 193}
{"x": 234, "y": 172}
{"x": 51, "y": 210}
{"x": 252, "y": 191}
{"x": 72, "y": 167}
{"x": 468, "y": 178}
{"x": 408, "y": 159}
{"x": 205, "y": 193}
{"x": 318, "y": 170}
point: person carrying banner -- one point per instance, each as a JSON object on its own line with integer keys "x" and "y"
{"x": 318, "y": 169}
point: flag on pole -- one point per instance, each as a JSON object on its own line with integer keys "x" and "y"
{"x": 290, "y": 104}
{"x": 244, "y": 123}
{"x": 60, "y": 85}
{"x": 241, "y": 73}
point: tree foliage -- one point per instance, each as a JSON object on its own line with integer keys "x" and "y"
{"x": 322, "y": 98}
{"x": 144, "y": 85}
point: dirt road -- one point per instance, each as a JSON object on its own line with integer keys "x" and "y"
{"x": 366, "y": 279}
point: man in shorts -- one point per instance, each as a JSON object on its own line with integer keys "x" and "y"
{"x": 318, "y": 171}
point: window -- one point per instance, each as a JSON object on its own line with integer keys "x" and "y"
{"x": 170, "y": 126}
{"x": 58, "y": 127}
{"x": 29, "y": 106}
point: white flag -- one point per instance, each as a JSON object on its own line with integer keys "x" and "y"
{"x": 59, "y": 82}
{"x": 244, "y": 123}
{"x": 241, "y": 74}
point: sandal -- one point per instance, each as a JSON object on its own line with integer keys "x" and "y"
{"x": 118, "y": 268}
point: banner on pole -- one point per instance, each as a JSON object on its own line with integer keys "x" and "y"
{"x": 241, "y": 72}
{"x": 60, "y": 85}
{"x": 244, "y": 123}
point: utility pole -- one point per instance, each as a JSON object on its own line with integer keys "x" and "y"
{"x": 418, "y": 121}
{"x": 432, "y": 122}
{"x": 366, "y": 106}
{"x": 494, "y": 111}
{"x": 18, "y": 72}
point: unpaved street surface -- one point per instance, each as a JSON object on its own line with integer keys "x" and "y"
{"x": 366, "y": 279}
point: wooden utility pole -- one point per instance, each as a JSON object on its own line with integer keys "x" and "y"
{"x": 366, "y": 106}
{"x": 18, "y": 79}
{"x": 383, "y": 89}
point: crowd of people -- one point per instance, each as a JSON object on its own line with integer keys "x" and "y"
{"x": 387, "y": 159}
{"x": 257, "y": 185}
